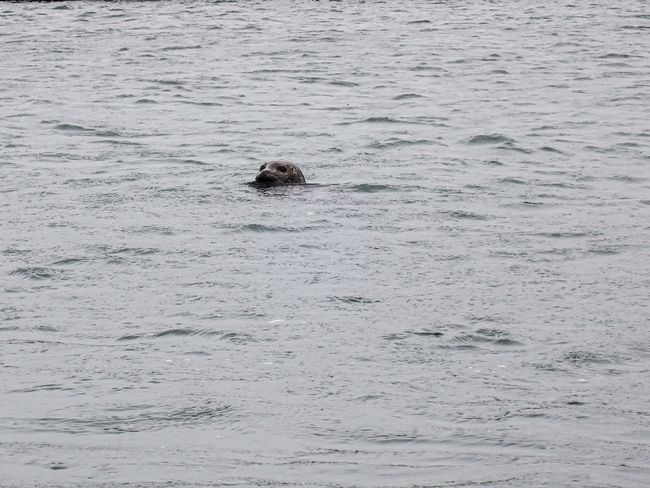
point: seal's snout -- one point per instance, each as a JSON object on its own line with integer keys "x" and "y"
{"x": 280, "y": 172}
{"x": 264, "y": 176}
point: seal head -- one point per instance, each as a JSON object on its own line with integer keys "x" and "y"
{"x": 279, "y": 173}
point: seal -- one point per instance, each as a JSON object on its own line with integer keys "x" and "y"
{"x": 279, "y": 173}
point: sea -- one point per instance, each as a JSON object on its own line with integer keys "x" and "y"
{"x": 457, "y": 298}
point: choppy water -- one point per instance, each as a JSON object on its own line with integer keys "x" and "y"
{"x": 460, "y": 300}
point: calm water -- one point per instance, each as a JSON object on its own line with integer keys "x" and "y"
{"x": 461, "y": 298}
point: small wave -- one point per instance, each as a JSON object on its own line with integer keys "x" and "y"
{"x": 512, "y": 147}
{"x": 9, "y": 328}
{"x": 486, "y": 336}
{"x": 636, "y": 27}
{"x": 10, "y": 251}
{"x": 597, "y": 149}
{"x": 395, "y": 336}
{"x": 578, "y": 357}
{"x": 71, "y": 128}
{"x": 406, "y": 96}
{"x": 180, "y": 48}
{"x": 194, "y": 162}
{"x": 129, "y": 337}
{"x": 392, "y": 120}
{"x": 604, "y": 250}
{"x": 551, "y": 149}
{"x": 44, "y": 387}
{"x": 182, "y": 332}
{"x": 373, "y": 188}
{"x": 353, "y": 299}
{"x": 618, "y": 64}
{"x": 204, "y": 104}
{"x": 145, "y": 101}
{"x": 396, "y": 142}
{"x": 166, "y": 82}
{"x": 309, "y": 79}
{"x": 106, "y": 133}
{"x": 513, "y": 181}
{"x": 628, "y": 179}
{"x": 562, "y": 235}
{"x": 631, "y": 144}
{"x": 461, "y": 214}
{"x": 544, "y": 127}
{"x": 117, "y": 143}
{"x": 266, "y": 228}
{"x": 343, "y": 83}
{"x": 67, "y": 261}
{"x": 379, "y": 120}
{"x": 38, "y": 273}
{"x": 152, "y": 229}
{"x": 560, "y": 184}
{"x": 617, "y": 55}
{"x": 85, "y": 130}
{"x": 151, "y": 419}
{"x": 426, "y": 67}
{"x": 236, "y": 337}
{"x": 426, "y": 333}
{"x": 489, "y": 139}
{"x": 135, "y": 251}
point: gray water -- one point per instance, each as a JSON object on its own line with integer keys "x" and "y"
{"x": 459, "y": 299}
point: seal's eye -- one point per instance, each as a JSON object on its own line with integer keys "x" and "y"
{"x": 282, "y": 169}
{"x": 262, "y": 167}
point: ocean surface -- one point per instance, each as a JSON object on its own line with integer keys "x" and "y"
{"x": 459, "y": 298}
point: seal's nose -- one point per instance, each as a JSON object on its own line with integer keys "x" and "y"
{"x": 264, "y": 176}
